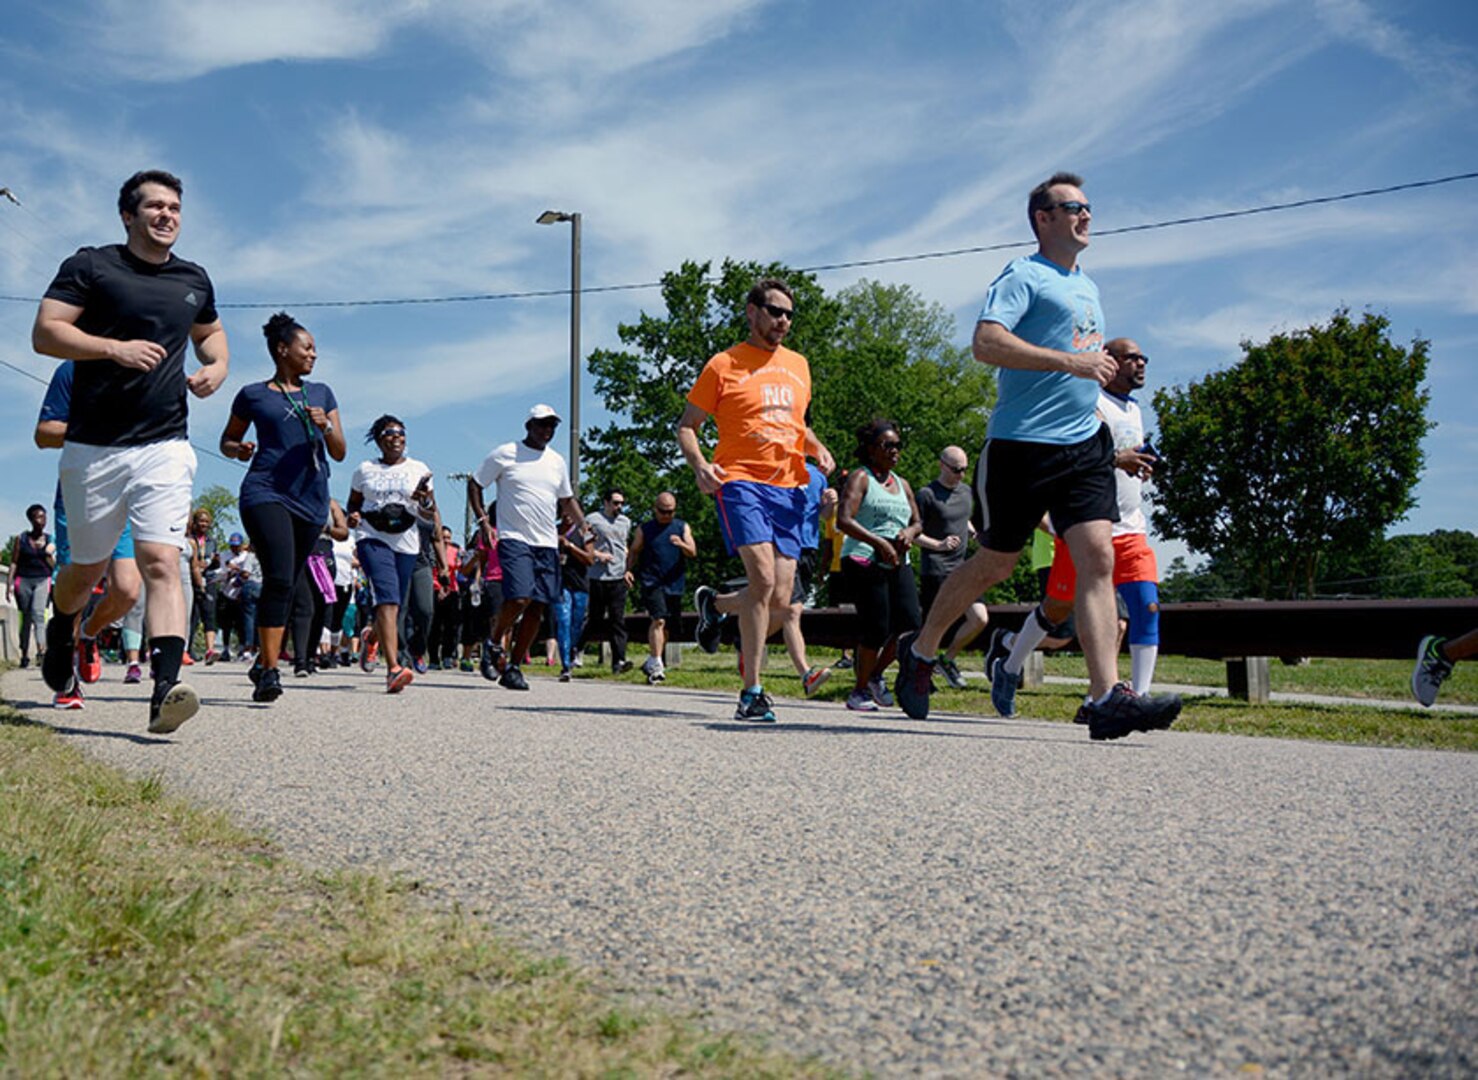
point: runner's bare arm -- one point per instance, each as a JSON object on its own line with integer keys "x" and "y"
{"x": 214, "y": 355}
{"x": 50, "y": 434}
{"x": 996, "y": 345}
{"x": 817, "y": 450}
{"x": 55, "y": 333}
{"x": 710, "y": 476}
{"x": 232, "y": 445}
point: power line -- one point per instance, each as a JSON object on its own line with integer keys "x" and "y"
{"x": 852, "y": 264}
{"x": 37, "y": 378}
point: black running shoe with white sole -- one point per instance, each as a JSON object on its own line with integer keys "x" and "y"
{"x": 709, "y": 619}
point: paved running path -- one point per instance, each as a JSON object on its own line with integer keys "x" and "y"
{"x": 954, "y": 897}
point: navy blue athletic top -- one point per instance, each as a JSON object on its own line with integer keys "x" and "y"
{"x": 291, "y": 463}
{"x": 660, "y": 562}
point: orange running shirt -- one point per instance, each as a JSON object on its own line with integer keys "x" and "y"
{"x": 759, "y": 401}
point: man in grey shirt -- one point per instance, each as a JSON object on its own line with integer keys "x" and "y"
{"x": 608, "y": 578}
{"x": 945, "y": 504}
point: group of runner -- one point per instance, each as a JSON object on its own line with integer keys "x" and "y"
{"x": 123, "y": 316}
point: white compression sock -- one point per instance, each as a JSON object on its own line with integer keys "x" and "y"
{"x": 1142, "y": 665}
{"x": 1030, "y": 635}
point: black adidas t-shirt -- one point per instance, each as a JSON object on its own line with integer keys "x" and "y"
{"x": 125, "y": 298}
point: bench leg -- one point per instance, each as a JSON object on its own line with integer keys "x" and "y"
{"x": 1247, "y": 679}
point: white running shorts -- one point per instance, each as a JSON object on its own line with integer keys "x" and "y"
{"x": 104, "y": 487}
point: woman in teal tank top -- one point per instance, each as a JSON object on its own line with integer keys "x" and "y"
{"x": 880, "y": 520}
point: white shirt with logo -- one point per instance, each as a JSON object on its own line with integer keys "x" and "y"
{"x": 381, "y": 485}
{"x": 1127, "y": 427}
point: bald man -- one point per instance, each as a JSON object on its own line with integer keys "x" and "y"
{"x": 945, "y": 506}
{"x": 657, "y": 559}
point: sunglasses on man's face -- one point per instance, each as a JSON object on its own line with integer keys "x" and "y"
{"x": 393, "y": 433}
{"x": 890, "y": 444}
{"x": 1073, "y": 207}
{"x": 778, "y": 312}
{"x": 958, "y": 470}
{"x": 1134, "y": 357}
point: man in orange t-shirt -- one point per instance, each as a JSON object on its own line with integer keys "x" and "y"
{"x": 758, "y": 393}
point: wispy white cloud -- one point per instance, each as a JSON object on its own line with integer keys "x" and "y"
{"x": 170, "y": 40}
{"x": 1439, "y": 66}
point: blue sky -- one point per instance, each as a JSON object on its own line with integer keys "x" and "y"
{"x": 343, "y": 150}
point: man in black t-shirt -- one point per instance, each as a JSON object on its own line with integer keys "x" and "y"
{"x": 945, "y": 506}
{"x": 126, "y": 313}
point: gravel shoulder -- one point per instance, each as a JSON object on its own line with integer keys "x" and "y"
{"x": 961, "y": 896}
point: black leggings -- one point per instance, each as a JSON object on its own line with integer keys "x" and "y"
{"x": 887, "y": 601}
{"x": 282, "y": 541}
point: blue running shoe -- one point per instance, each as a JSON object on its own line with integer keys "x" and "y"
{"x": 1003, "y": 686}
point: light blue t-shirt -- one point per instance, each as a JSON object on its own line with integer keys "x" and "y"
{"x": 1043, "y": 304}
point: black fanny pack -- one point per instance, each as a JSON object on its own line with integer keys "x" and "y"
{"x": 391, "y": 518}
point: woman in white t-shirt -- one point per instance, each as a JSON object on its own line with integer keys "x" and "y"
{"x": 386, "y": 498}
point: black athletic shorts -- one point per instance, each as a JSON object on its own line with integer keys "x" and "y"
{"x": 1017, "y": 482}
{"x": 661, "y": 604}
{"x": 805, "y": 576}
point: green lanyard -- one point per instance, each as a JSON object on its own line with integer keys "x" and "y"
{"x": 300, "y": 410}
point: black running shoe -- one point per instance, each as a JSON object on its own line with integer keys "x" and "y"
{"x": 269, "y": 686}
{"x": 493, "y": 661}
{"x": 709, "y": 619}
{"x": 59, "y": 664}
{"x": 915, "y": 681}
{"x": 170, "y": 706}
{"x": 1125, "y": 712}
{"x": 513, "y": 679}
{"x": 998, "y": 649}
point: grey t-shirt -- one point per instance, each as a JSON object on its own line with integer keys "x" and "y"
{"x": 610, "y": 536}
{"x": 944, "y": 512}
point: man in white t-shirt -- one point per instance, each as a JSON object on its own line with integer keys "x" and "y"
{"x": 534, "y": 492}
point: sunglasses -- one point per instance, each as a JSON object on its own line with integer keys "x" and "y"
{"x": 393, "y": 433}
{"x": 1139, "y": 356}
{"x": 778, "y": 312}
{"x": 890, "y": 444}
{"x": 1072, "y": 206}
{"x": 958, "y": 470}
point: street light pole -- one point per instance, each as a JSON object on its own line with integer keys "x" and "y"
{"x": 551, "y": 217}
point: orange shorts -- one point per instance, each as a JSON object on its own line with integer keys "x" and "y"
{"x": 1133, "y": 561}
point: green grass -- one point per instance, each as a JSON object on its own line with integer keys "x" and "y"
{"x": 1389, "y": 680}
{"x": 140, "y": 935}
{"x": 1382, "y": 679}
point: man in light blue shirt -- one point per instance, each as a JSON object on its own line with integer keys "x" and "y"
{"x": 1046, "y": 451}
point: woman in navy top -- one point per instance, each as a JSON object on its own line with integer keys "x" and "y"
{"x": 284, "y": 498}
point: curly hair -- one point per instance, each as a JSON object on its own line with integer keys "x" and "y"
{"x": 869, "y": 433}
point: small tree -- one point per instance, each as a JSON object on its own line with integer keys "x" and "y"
{"x": 1309, "y": 446}
{"x": 221, "y": 503}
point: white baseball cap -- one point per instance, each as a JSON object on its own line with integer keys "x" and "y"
{"x": 542, "y": 412}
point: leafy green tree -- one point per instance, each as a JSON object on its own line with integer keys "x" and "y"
{"x": 1211, "y": 581}
{"x": 221, "y": 503}
{"x": 1306, "y": 448}
{"x": 895, "y": 356}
